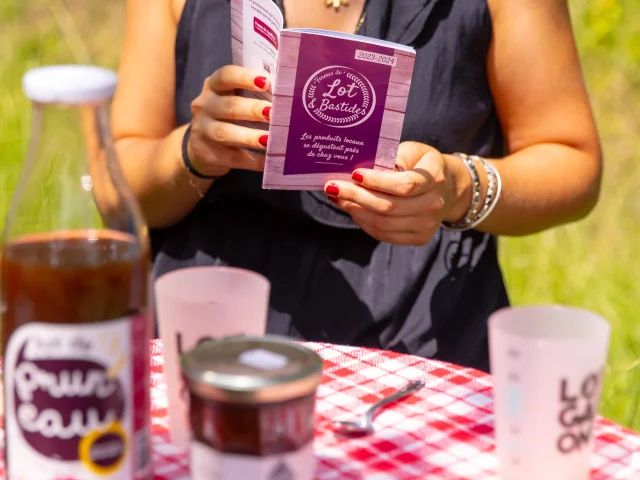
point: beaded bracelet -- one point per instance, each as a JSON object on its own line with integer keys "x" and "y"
{"x": 490, "y": 203}
{"x": 494, "y": 189}
{"x": 475, "y": 196}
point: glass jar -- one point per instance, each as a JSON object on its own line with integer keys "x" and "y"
{"x": 74, "y": 273}
{"x": 252, "y": 408}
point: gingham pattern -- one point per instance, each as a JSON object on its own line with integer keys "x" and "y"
{"x": 444, "y": 432}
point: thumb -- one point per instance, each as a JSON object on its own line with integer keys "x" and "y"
{"x": 431, "y": 161}
{"x": 410, "y": 154}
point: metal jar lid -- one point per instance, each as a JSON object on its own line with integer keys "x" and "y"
{"x": 268, "y": 369}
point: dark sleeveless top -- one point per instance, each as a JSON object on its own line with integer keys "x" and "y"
{"x": 331, "y": 282}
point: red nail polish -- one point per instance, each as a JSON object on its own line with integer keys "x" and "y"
{"x": 357, "y": 176}
{"x": 333, "y": 191}
{"x": 333, "y": 199}
{"x": 260, "y": 82}
{"x": 266, "y": 113}
{"x": 264, "y": 139}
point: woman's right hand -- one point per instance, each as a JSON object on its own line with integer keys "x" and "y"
{"x": 216, "y": 145}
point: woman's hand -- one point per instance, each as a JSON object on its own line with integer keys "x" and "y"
{"x": 215, "y": 144}
{"x": 406, "y": 207}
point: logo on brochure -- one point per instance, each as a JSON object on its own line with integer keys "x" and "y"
{"x": 339, "y": 97}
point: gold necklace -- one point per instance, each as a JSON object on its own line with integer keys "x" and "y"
{"x": 337, "y": 3}
{"x": 330, "y": 3}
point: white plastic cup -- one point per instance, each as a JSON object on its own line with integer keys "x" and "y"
{"x": 197, "y": 304}
{"x": 547, "y": 363}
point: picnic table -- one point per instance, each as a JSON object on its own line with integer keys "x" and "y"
{"x": 445, "y": 431}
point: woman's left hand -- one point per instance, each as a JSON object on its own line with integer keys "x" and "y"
{"x": 402, "y": 207}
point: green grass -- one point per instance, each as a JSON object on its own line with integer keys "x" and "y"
{"x": 591, "y": 264}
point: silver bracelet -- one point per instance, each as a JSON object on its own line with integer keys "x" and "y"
{"x": 490, "y": 203}
{"x": 492, "y": 183}
{"x": 494, "y": 189}
{"x": 472, "y": 213}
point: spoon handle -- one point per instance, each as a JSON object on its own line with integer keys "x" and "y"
{"x": 405, "y": 391}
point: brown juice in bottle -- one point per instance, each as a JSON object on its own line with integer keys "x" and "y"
{"x": 72, "y": 278}
{"x": 62, "y": 402}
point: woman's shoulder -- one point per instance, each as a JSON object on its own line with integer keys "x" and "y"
{"x": 176, "y": 7}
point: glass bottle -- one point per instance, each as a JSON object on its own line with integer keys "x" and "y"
{"x": 73, "y": 278}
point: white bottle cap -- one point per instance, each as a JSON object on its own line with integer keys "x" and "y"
{"x": 70, "y": 84}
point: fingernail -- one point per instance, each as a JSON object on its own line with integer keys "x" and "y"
{"x": 357, "y": 176}
{"x": 264, "y": 139}
{"x": 332, "y": 191}
{"x": 260, "y": 82}
{"x": 333, "y": 199}
{"x": 266, "y": 112}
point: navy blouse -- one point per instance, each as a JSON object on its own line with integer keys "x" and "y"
{"x": 331, "y": 282}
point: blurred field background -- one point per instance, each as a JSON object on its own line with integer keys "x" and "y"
{"x": 593, "y": 264}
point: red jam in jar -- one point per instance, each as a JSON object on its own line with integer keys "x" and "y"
{"x": 252, "y": 408}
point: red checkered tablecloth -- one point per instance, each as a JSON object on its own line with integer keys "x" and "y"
{"x": 444, "y": 432}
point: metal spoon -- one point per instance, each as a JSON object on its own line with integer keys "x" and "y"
{"x": 365, "y": 423}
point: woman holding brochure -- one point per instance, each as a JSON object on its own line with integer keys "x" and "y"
{"x": 403, "y": 260}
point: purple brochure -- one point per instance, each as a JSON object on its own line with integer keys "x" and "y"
{"x": 338, "y": 104}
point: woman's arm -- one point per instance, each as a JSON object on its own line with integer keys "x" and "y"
{"x": 552, "y": 173}
{"x": 143, "y": 115}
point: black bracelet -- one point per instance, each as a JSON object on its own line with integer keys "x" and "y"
{"x": 187, "y": 160}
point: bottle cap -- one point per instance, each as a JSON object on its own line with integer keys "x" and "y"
{"x": 70, "y": 84}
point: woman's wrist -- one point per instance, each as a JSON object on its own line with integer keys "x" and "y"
{"x": 191, "y": 161}
{"x": 181, "y": 172}
{"x": 462, "y": 188}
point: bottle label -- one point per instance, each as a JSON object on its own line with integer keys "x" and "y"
{"x": 210, "y": 464}
{"x": 77, "y": 401}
